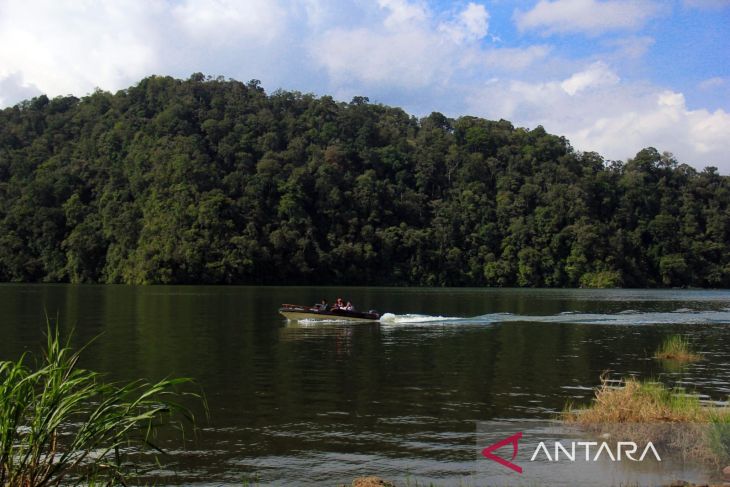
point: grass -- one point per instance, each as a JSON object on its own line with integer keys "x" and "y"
{"x": 677, "y": 348}
{"x": 636, "y": 410}
{"x": 643, "y": 402}
{"x": 63, "y": 425}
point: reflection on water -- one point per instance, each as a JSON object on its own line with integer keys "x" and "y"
{"x": 302, "y": 403}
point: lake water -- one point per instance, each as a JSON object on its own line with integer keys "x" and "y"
{"x": 323, "y": 404}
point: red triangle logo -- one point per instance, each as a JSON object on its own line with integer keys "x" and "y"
{"x": 514, "y": 441}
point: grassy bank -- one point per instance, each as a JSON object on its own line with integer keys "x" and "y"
{"x": 645, "y": 411}
{"x": 638, "y": 401}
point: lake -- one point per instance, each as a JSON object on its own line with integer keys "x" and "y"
{"x": 322, "y": 404}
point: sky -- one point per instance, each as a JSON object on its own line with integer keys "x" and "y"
{"x": 612, "y": 76}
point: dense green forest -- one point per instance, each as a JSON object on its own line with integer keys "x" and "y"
{"x": 215, "y": 181}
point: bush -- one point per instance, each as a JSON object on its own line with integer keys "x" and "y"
{"x": 63, "y": 424}
{"x": 601, "y": 279}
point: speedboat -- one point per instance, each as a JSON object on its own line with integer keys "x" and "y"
{"x": 296, "y": 312}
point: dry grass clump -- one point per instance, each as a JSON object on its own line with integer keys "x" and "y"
{"x": 644, "y": 411}
{"x": 371, "y": 482}
{"x": 678, "y": 348}
{"x": 642, "y": 402}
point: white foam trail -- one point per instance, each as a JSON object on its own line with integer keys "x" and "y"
{"x": 390, "y": 318}
{"x": 307, "y": 321}
{"x": 627, "y": 317}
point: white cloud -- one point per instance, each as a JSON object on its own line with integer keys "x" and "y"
{"x": 64, "y": 47}
{"x": 73, "y": 47}
{"x": 634, "y": 47}
{"x": 14, "y": 88}
{"x": 615, "y": 119}
{"x": 227, "y": 21}
{"x": 590, "y": 17}
{"x": 410, "y": 48}
{"x": 471, "y": 24}
{"x": 596, "y": 75}
{"x": 402, "y": 12}
{"x": 402, "y": 58}
{"x": 475, "y": 19}
{"x": 712, "y": 83}
{"x": 515, "y": 59}
{"x": 664, "y": 121}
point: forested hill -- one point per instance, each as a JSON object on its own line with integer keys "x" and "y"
{"x": 214, "y": 181}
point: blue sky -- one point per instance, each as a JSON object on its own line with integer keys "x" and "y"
{"x": 613, "y": 76}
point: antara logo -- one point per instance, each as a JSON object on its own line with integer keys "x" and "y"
{"x": 623, "y": 450}
{"x": 514, "y": 440}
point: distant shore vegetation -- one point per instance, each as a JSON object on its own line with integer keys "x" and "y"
{"x": 207, "y": 180}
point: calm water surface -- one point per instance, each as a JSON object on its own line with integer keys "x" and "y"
{"x": 322, "y": 404}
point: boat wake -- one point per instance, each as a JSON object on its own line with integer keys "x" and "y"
{"x": 412, "y": 318}
{"x": 626, "y": 317}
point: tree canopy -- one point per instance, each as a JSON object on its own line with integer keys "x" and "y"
{"x": 208, "y": 180}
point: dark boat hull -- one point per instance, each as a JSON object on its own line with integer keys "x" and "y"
{"x": 293, "y": 312}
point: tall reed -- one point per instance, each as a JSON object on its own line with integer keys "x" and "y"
{"x": 61, "y": 424}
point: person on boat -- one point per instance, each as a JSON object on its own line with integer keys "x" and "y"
{"x": 338, "y": 304}
{"x": 349, "y": 306}
{"x": 323, "y": 305}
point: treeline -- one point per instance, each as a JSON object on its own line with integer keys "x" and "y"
{"x": 214, "y": 181}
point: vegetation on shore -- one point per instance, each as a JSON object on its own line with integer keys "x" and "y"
{"x": 62, "y": 425}
{"x": 636, "y": 410}
{"x": 215, "y": 181}
{"x": 636, "y": 401}
{"x": 677, "y": 348}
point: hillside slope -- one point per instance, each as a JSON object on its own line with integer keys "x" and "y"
{"x": 214, "y": 181}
